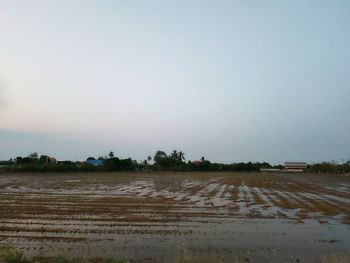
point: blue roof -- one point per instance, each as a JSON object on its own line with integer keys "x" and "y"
{"x": 95, "y": 162}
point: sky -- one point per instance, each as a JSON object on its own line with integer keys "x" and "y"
{"x": 229, "y": 80}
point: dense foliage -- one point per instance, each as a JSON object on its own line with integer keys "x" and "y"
{"x": 161, "y": 161}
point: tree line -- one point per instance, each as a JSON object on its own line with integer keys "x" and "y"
{"x": 161, "y": 161}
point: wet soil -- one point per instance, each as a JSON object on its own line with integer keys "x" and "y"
{"x": 250, "y": 216}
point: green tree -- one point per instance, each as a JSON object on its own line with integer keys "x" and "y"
{"x": 33, "y": 156}
{"x": 181, "y": 156}
{"x": 159, "y": 156}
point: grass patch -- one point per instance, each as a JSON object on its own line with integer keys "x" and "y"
{"x": 185, "y": 256}
{"x": 10, "y": 255}
{"x": 335, "y": 259}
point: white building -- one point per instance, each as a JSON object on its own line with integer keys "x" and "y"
{"x": 295, "y": 166}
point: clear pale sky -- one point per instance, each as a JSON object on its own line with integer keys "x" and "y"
{"x": 230, "y": 80}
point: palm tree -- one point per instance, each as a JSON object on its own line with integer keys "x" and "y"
{"x": 181, "y": 156}
{"x": 173, "y": 155}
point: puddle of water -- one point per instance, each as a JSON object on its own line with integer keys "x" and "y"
{"x": 238, "y": 237}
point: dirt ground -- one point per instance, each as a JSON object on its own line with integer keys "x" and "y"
{"x": 254, "y": 217}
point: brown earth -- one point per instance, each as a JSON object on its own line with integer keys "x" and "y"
{"x": 101, "y": 207}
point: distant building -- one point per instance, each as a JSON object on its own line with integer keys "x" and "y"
{"x": 197, "y": 162}
{"x": 95, "y": 162}
{"x": 295, "y": 166}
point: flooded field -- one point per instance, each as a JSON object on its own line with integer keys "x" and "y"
{"x": 150, "y": 217}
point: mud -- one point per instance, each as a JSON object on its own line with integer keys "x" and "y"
{"x": 255, "y": 217}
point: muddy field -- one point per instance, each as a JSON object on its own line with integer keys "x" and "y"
{"x": 150, "y": 217}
